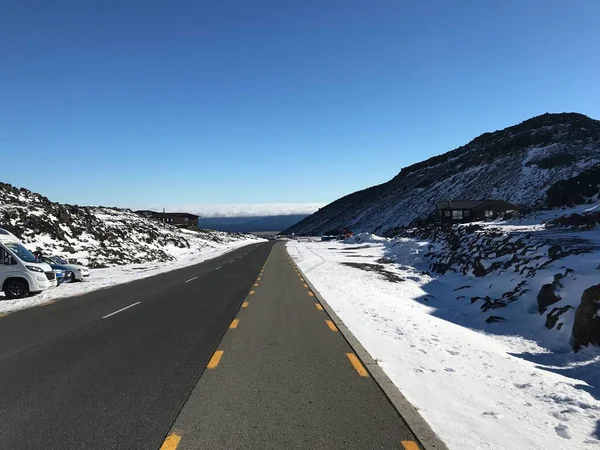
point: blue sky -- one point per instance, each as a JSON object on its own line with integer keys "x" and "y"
{"x": 191, "y": 102}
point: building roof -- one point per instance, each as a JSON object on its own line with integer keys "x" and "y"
{"x": 176, "y": 214}
{"x": 459, "y": 204}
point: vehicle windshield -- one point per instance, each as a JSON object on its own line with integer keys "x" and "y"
{"x": 21, "y": 252}
{"x": 58, "y": 260}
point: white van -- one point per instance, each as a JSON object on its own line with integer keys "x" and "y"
{"x": 20, "y": 272}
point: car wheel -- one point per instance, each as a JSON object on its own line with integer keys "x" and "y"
{"x": 15, "y": 289}
{"x": 73, "y": 279}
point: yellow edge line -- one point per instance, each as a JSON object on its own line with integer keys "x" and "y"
{"x": 357, "y": 365}
{"x": 234, "y": 323}
{"x": 331, "y": 325}
{"x": 318, "y": 306}
{"x": 214, "y": 361}
{"x": 410, "y": 445}
{"x": 171, "y": 442}
{"x": 245, "y": 304}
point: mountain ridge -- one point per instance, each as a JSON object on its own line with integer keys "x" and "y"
{"x": 517, "y": 164}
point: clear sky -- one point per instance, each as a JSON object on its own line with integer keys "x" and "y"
{"x": 133, "y": 103}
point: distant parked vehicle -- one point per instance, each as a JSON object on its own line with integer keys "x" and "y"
{"x": 61, "y": 276}
{"x": 73, "y": 272}
{"x": 20, "y": 272}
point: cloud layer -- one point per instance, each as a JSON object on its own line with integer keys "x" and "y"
{"x": 242, "y": 210}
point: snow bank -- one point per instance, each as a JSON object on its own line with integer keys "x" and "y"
{"x": 479, "y": 385}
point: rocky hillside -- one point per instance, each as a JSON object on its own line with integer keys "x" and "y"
{"x": 98, "y": 236}
{"x": 517, "y": 164}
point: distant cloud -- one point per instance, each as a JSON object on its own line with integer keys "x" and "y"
{"x": 243, "y": 210}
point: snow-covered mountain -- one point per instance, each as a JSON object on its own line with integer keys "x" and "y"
{"x": 100, "y": 236}
{"x": 517, "y": 164}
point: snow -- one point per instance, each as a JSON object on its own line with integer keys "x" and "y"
{"x": 104, "y": 278}
{"x": 509, "y": 385}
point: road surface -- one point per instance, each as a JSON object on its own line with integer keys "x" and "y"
{"x": 233, "y": 353}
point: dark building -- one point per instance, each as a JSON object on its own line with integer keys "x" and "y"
{"x": 178, "y": 219}
{"x": 460, "y": 211}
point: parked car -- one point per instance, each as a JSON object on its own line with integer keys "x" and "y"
{"x": 61, "y": 276}
{"x": 20, "y": 272}
{"x": 73, "y": 272}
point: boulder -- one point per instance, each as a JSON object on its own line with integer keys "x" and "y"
{"x": 546, "y": 297}
{"x": 586, "y": 327}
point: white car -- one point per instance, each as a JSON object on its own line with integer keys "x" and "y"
{"x": 20, "y": 272}
{"x": 73, "y": 272}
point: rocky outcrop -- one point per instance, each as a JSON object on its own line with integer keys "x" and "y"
{"x": 586, "y": 327}
{"x": 575, "y": 191}
{"x": 546, "y": 297}
{"x": 98, "y": 236}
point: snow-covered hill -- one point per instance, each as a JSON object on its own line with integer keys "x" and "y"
{"x": 517, "y": 164}
{"x": 100, "y": 236}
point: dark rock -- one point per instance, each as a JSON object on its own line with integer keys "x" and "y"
{"x": 552, "y": 316}
{"x": 494, "y": 319}
{"x": 462, "y": 287}
{"x": 555, "y": 252}
{"x": 574, "y": 190}
{"x": 586, "y": 327}
{"x": 546, "y": 297}
{"x": 478, "y": 269}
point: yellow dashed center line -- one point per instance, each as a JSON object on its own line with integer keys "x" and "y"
{"x": 311, "y": 294}
{"x": 357, "y": 365}
{"x": 318, "y": 306}
{"x": 410, "y": 445}
{"x": 245, "y": 304}
{"x": 214, "y": 361}
{"x": 251, "y": 292}
{"x": 171, "y": 442}
{"x": 234, "y": 323}
{"x": 258, "y": 279}
{"x": 305, "y": 285}
{"x": 331, "y": 325}
{"x": 255, "y": 284}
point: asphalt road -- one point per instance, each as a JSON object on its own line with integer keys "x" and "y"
{"x": 221, "y": 355}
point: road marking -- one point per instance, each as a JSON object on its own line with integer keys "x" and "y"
{"x": 191, "y": 279}
{"x": 311, "y": 294}
{"x": 251, "y": 292}
{"x": 218, "y": 268}
{"x": 120, "y": 310}
{"x": 258, "y": 279}
{"x": 331, "y": 325}
{"x": 234, "y": 323}
{"x": 3, "y": 314}
{"x": 47, "y": 303}
{"x": 410, "y": 445}
{"x": 171, "y": 442}
{"x": 318, "y": 306}
{"x": 305, "y": 285}
{"x": 357, "y": 365}
{"x": 255, "y": 284}
{"x": 214, "y": 361}
{"x": 245, "y": 304}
